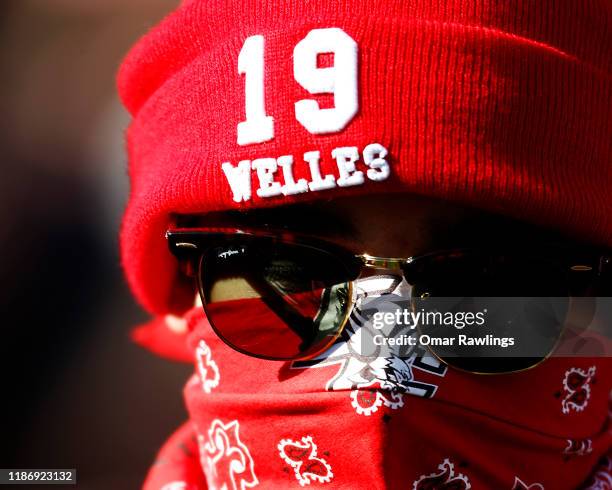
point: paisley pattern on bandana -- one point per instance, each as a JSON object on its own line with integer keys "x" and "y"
{"x": 602, "y": 478}
{"x": 577, "y": 386}
{"x": 521, "y": 485}
{"x": 207, "y": 367}
{"x": 369, "y": 397}
{"x": 445, "y": 479}
{"x": 577, "y": 447}
{"x": 225, "y": 459}
{"x": 302, "y": 457}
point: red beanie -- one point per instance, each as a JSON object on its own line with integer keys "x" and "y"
{"x": 237, "y": 104}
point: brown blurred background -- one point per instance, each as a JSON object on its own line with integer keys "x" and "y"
{"x": 76, "y": 393}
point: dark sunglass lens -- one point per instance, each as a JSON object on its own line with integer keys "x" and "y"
{"x": 275, "y": 301}
{"x": 490, "y": 313}
{"x": 479, "y": 274}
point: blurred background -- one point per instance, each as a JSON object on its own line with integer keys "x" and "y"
{"x": 76, "y": 392}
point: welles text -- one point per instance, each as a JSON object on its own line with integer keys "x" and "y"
{"x": 267, "y": 169}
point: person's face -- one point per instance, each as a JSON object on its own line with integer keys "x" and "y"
{"x": 383, "y": 226}
{"x": 393, "y": 225}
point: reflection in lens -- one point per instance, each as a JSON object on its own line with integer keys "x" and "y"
{"x": 277, "y": 302}
{"x": 491, "y": 334}
{"x": 521, "y": 298}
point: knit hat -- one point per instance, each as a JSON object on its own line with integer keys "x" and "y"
{"x": 505, "y": 106}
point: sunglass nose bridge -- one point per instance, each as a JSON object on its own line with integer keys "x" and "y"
{"x": 389, "y": 263}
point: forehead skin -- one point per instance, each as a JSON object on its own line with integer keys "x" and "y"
{"x": 392, "y": 225}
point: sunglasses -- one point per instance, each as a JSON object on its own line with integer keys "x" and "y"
{"x": 283, "y": 296}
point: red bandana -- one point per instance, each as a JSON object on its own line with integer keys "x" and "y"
{"x": 348, "y": 421}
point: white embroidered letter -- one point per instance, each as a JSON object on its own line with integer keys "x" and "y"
{"x": 374, "y": 157}
{"x": 345, "y": 159}
{"x": 317, "y": 182}
{"x": 291, "y": 187}
{"x": 239, "y": 179}
{"x": 266, "y": 167}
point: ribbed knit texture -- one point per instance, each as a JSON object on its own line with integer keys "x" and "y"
{"x": 501, "y": 105}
